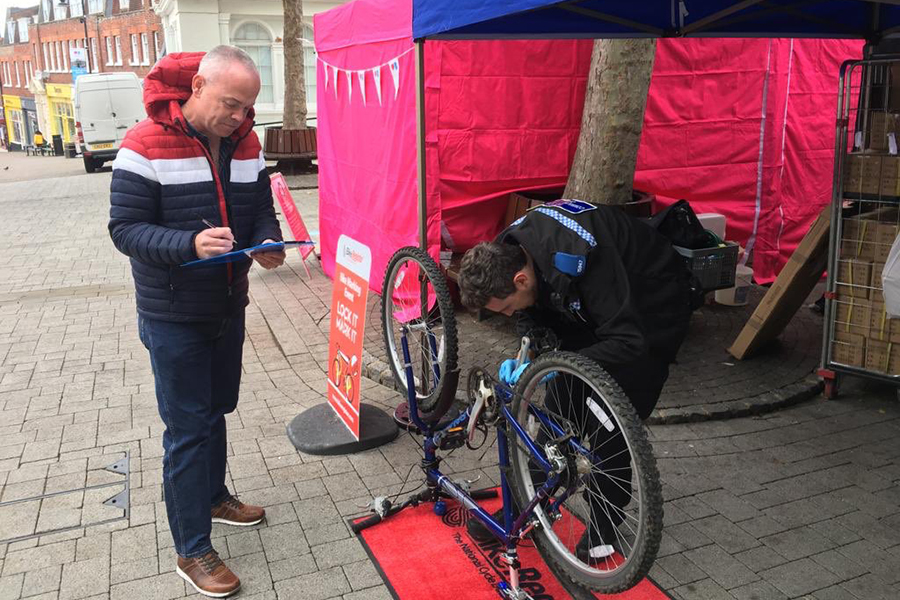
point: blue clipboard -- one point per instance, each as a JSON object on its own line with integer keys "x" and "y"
{"x": 244, "y": 254}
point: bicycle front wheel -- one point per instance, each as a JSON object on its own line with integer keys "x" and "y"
{"x": 415, "y": 298}
{"x": 606, "y": 532}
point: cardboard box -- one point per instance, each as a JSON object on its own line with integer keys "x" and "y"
{"x": 875, "y": 293}
{"x": 870, "y": 166}
{"x": 854, "y": 278}
{"x": 853, "y": 165}
{"x": 789, "y": 291}
{"x": 850, "y": 351}
{"x": 884, "y": 239}
{"x": 893, "y": 85}
{"x": 882, "y": 327}
{"x": 858, "y": 250}
{"x": 880, "y": 125}
{"x": 859, "y": 229}
{"x": 853, "y": 185}
{"x": 890, "y": 166}
{"x": 889, "y": 187}
{"x": 876, "y": 134}
{"x": 858, "y": 236}
{"x": 852, "y": 316}
{"x": 882, "y": 357}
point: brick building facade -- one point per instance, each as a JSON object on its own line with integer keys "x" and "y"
{"x": 119, "y": 35}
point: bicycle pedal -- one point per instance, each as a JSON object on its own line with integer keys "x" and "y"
{"x": 453, "y": 438}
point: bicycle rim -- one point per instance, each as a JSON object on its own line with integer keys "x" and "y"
{"x": 608, "y": 440}
{"x": 413, "y": 282}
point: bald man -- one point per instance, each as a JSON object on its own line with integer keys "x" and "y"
{"x": 188, "y": 183}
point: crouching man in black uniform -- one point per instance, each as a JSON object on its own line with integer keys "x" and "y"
{"x": 611, "y": 288}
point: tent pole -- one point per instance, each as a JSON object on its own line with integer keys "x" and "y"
{"x": 420, "y": 143}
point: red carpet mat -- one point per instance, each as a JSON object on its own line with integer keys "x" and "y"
{"x": 422, "y": 556}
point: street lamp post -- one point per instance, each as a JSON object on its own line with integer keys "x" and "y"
{"x": 87, "y": 39}
{"x": 3, "y": 113}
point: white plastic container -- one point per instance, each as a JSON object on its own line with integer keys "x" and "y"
{"x": 737, "y": 295}
{"x": 714, "y": 222}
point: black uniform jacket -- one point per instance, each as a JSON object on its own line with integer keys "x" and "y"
{"x": 610, "y": 286}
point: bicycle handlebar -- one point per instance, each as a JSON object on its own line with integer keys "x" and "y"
{"x": 367, "y": 522}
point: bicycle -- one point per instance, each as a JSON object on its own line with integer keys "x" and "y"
{"x": 551, "y": 464}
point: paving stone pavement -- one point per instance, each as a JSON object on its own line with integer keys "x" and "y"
{"x": 800, "y": 503}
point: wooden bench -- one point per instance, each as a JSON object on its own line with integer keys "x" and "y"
{"x": 282, "y": 144}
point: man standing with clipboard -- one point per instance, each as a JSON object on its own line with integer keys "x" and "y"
{"x": 195, "y": 162}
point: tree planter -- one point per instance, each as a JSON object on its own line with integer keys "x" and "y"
{"x": 641, "y": 205}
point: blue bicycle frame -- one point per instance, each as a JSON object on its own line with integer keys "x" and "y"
{"x": 512, "y": 528}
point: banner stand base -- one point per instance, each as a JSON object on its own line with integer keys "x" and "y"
{"x": 319, "y": 431}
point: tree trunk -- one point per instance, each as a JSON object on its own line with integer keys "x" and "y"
{"x": 617, "y": 86}
{"x": 294, "y": 84}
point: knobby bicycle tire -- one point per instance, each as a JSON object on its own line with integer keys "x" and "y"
{"x": 432, "y": 403}
{"x": 643, "y": 465}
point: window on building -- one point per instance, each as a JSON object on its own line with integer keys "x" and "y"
{"x": 45, "y": 9}
{"x": 95, "y": 61}
{"x": 18, "y": 78}
{"x": 95, "y": 6}
{"x": 60, "y": 11}
{"x": 124, "y": 4}
{"x": 26, "y": 66}
{"x": 109, "y": 52}
{"x": 23, "y": 29}
{"x": 135, "y": 52}
{"x": 145, "y": 49}
{"x": 46, "y": 56}
{"x": 76, "y": 8}
{"x": 3, "y": 76}
{"x": 255, "y": 40}
{"x": 156, "y": 44}
{"x": 65, "y": 45}
{"x": 57, "y": 63}
{"x": 118, "y": 50}
{"x": 11, "y": 32}
{"x": 17, "y": 131}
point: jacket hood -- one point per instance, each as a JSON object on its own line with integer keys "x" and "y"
{"x": 168, "y": 85}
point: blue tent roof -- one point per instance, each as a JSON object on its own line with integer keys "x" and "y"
{"x": 461, "y": 19}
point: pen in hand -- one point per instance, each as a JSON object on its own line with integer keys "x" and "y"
{"x": 211, "y": 226}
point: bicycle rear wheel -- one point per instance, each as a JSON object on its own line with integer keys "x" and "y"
{"x": 608, "y": 529}
{"x": 415, "y": 296}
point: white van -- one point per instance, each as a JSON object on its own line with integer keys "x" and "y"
{"x": 106, "y": 105}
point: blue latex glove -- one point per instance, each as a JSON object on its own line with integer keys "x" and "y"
{"x": 511, "y": 370}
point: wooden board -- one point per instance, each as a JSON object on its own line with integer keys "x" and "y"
{"x": 796, "y": 280}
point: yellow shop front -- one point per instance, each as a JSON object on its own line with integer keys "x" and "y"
{"x": 15, "y": 122}
{"x": 62, "y": 111}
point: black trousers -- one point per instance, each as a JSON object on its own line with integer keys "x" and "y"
{"x": 609, "y": 489}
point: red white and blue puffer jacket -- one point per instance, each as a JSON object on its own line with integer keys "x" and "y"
{"x": 164, "y": 185}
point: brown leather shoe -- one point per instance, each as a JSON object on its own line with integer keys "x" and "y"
{"x": 208, "y": 575}
{"x": 232, "y": 511}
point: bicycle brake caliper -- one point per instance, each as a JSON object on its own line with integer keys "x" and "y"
{"x": 555, "y": 458}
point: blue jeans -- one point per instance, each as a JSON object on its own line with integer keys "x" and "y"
{"x": 197, "y": 369}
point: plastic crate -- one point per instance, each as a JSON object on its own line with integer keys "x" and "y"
{"x": 714, "y": 267}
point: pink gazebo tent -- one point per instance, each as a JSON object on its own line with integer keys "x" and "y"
{"x": 743, "y": 127}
